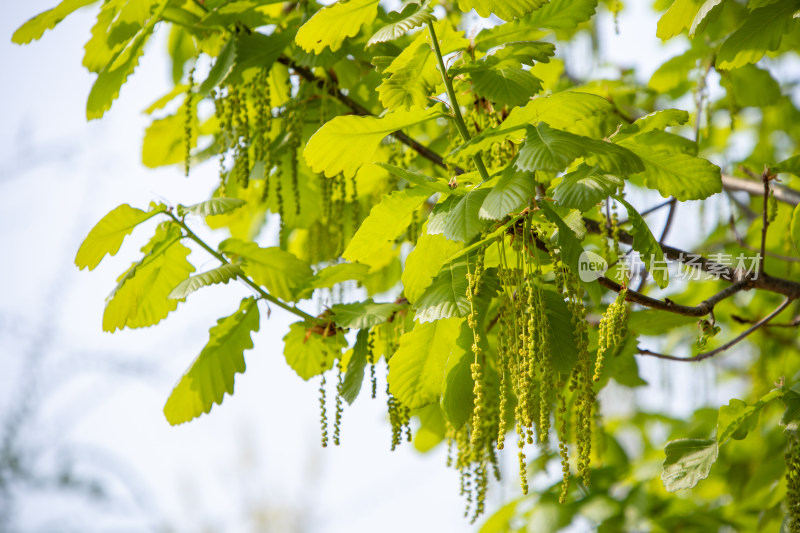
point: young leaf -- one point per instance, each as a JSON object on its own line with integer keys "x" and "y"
{"x": 550, "y": 149}
{"x": 110, "y": 80}
{"x": 418, "y": 178}
{"x": 221, "y": 68}
{"x": 47, "y": 20}
{"x": 212, "y": 374}
{"x": 791, "y": 165}
{"x": 687, "y": 462}
{"x": 647, "y": 246}
{"x": 331, "y": 25}
{"x": 675, "y": 174}
{"x": 424, "y": 262}
{"x": 309, "y": 352}
{"x": 737, "y": 419}
{"x": 457, "y": 217}
{"x": 457, "y": 387}
{"x": 512, "y": 193}
{"x": 795, "y": 231}
{"x": 107, "y": 235}
{"x": 330, "y": 276}
{"x": 354, "y": 376}
{"x": 504, "y": 9}
{"x": 214, "y": 206}
{"x": 761, "y": 32}
{"x": 571, "y": 111}
{"x": 555, "y": 14}
{"x": 283, "y": 274}
{"x": 141, "y": 297}
{"x": 751, "y": 86}
{"x": 419, "y": 16}
{"x": 678, "y": 17}
{"x": 446, "y": 296}
{"x": 363, "y": 315}
{"x": 221, "y": 274}
{"x": 385, "y": 222}
{"x": 345, "y": 143}
{"x": 506, "y": 85}
{"x": 417, "y": 368}
{"x": 657, "y": 120}
{"x": 584, "y": 187}
{"x": 563, "y": 350}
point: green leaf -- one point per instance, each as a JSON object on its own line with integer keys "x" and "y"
{"x": 657, "y": 120}
{"x": 703, "y": 16}
{"x": 386, "y": 221}
{"x": 446, "y": 296}
{"x": 751, "y": 86}
{"x": 363, "y": 315}
{"x": 647, "y": 245}
{"x": 345, "y": 143}
{"x": 761, "y": 32}
{"x": 457, "y": 217}
{"x": 507, "y": 86}
{"x": 555, "y": 14}
{"x": 678, "y": 17}
{"x": 571, "y": 111}
{"x": 584, "y": 187}
{"x": 512, "y": 193}
{"x": 330, "y": 276}
{"x": 424, "y": 262}
{"x": 354, "y": 376}
{"x": 164, "y": 142}
{"x": 331, "y": 25}
{"x": 791, "y": 165}
{"x": 398, "y": 28}
{"x": 283, "y": 274}
{"x": 674, "y": 73}
{"x": 571, "y": 248}
{"x": 414, "y": 73}
{"x": 554, "y": 150}
{"x": 141, "y": 297}
{"x": 563, "y": 350}
{"x": 795, "y": 231}
{"x": 457, "y": 389}
{"x": 308, "y": 352}
{"x": 416, "y": 370}
{"x": 524, "y": 52}
{"x": 214, "y": 206}
{"x": 212, "y": 374}
{"x": 504, "y": 9}
{"x": 221, "y": 274}
{"x": 418, "y": 178}
{"x": 687, "y": 462}
{"x": 256, "y": 51}
{"x": 47, "y": 20}
{"x": 676, "y": 174}
{"x": 737, "y": 419}
{"x": 107, "y": 235}
{"x": 110, "y": 80}
{"x": 791, "y": 416}
{"x": 220, "y": 69}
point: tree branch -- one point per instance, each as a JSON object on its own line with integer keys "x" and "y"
{"x": 730, "y": 343}
{"x": 780, "y": 192}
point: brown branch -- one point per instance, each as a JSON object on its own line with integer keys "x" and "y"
{"x": 729, "y": 344}
{"x": 781, "y": 192}
{"x": 702, "y": 309}
{"x": 765, "y": 221}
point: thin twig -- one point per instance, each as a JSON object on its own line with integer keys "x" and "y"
{"x": 765, "y": 179}
{"x": 780, "y": 192}
{"x": 730, "y": 343}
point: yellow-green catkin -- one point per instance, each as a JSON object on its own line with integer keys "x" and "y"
{"x": 323, "y": 412}
{"x": 337, "y": 421}
{"x": 371, "y": 361}
{"x": 562, "y": 428}
{"x": 792, "y": 458}
{"x": 772, "y": 207}
{"x": 263, "y": 126}
{"x": 341, "y": 198}
{"x": 605, "y": 234}
{"x": 188, "y": 130}
{"x": 611, "y": 332}
{"x": 476, "y": 368}
{"x": 615, "y": 229}
{"x": 294, "y": 127}
{"x": 355, "y": 206}
{"x": 223, "y": 136}
{"x": 581, "y": 377}
{"x": 241, "y": 136}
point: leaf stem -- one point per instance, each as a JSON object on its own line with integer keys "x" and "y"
{"x": 451, "y": 94}
{"x": 261, "y": 292}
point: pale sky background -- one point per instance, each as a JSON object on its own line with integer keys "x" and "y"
{"x": 96, "y": 398}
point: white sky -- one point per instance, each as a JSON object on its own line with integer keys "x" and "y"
{"x": 259, "y": 452}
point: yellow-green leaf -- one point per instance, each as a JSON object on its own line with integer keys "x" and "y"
{"x": 221, "y": 274}
{"x": 504, "y": 9}
{"x": 36, "y": 26}
{"x": 424, "y": 262}
{"x": 345, "y": 143}
{"x": 212, "y": 373}
{"x": 308, "y": 352}
{"x": 761, "y": 32}
{"x": 385, "y": 222}
{"x": 107, "y": 235}
{"x": 141, "y": 297}
{"x": 283, "y": 274}
{"x": 416, "y": 370}
{"x": 331, "y": 25}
